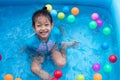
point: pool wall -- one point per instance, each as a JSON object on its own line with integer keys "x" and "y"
{"x": 112, "y": 6}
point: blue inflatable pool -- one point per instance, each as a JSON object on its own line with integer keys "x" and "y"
{"x": 98, "y": 51}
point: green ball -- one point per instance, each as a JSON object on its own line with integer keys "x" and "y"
{"x": 71, "y": 18}
{"x": 61, "y": 15}
{"x": 106, "y": 31}
{"x": 92, "y": 25}
{"x": 107, "y": 68}
{"x": 80, "y": 77}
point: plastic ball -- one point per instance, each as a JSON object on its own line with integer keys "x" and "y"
{"x": 49, "y": 7}
{"x": 96, "y": 67}
{"x": 95, "y": 16}
{"x": 112, "y": 58}
{"x": 58, "y": 74}
{"x": 0, "y": 57}
{"x": 71, "y": 18}
{"x": 18, "y": 79}
{"x": 92, "y": 25}
{"x": 97, "y": 76}
{"x": 107, "y": 68}
{"x": 54, "y": 79}
{"x": 80, "y": 77}
{"x": 75, "y": 11}
{"x": 105, "y": 45}
{"x": 53, "y": 13}
{"x": 61, "y": 15}
{"x": 99, "y": 22}
{"x": 106, "y": 31}
{"x": 66, "y": 9}
{"x": 8, "y": 77}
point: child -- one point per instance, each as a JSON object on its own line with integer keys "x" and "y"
{"x": 45, "y": 41}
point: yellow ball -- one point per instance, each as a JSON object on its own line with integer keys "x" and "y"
{"x": 61, "y": 15}
{"x": 18, "y": 79}
{"x": 49, "y": 7}
{"x": 97, "y": 76}
{"x": 80, "y": 77}
{"x": 8, "y": 77}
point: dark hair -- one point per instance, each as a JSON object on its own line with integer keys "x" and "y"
{"x": 43, "y": 12}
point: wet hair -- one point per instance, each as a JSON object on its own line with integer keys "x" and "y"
{"x": 42, "y": 12}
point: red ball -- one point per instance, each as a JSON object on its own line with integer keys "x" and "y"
{"x": 54, "y": 79}
{"x": 0, "y": 57}
{"x": 112, "y": 58}
{"x": 58, "y": 73}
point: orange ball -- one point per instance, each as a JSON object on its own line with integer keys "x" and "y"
{"x": 97, "y": 76}
{"x": 75, "y": 11}
{"x": 18, "y": 79}
{"x": 8, "y": 77}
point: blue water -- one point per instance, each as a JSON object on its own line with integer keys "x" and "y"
{"x": 15, "y": 27}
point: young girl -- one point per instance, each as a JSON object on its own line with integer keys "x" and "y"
{"x": 46, "y": 41}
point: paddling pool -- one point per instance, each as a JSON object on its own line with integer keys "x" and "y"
{"x": 95, "y": 45}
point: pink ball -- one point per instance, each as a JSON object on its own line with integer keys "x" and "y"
{"x": 96, "y": 67}
{"x": 54, "y": 79}
{"x": 58, "y": 74}
{"x": 99, "y": 22}
{"x": 0, "y": 57}
{"x": 113, "y": 58}
{"x": 95, "y": 16}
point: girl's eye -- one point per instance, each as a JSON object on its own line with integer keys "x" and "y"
{"x": 38, "y": 25}
{"x": 46, "y": 24}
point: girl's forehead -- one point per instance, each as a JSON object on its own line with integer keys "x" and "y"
{"x": 42, "y": 19}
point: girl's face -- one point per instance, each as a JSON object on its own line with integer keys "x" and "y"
{"x": 43, "y": 27}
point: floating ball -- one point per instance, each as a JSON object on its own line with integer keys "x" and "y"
{"x": 61, "y": 15}
{"x": 49, "y": 7}
{"x": 0, "y": 57}
{"x": 58, "y": 73}
{"x": 80, "y": 77}
{"x": 99, "y": 22}
{"x": 97, "y": 76}
{"x": 53, "y": 13}
{"x": 18, "y": 79}
{"x": 71, "y": 18}
{"x": 112, "y": 58}
{"x": 54, "y": 79}
{"x": 75, "y": 11}
{"x": 106, "y": 31}
{"x": 8, "y": 77}
{"x": 95, "y": 16}
{"x": 107, "y": 68}
{"x": 96, "y": 67}
{"x": 92, "y": 25}
{"x": 66, "y": 9}
{"x": 105, "y": 45}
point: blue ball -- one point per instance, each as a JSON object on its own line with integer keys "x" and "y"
{"x": 66, "y": 9}
{"x": 53, "y": 13}
{"x": 104, "y": 45}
